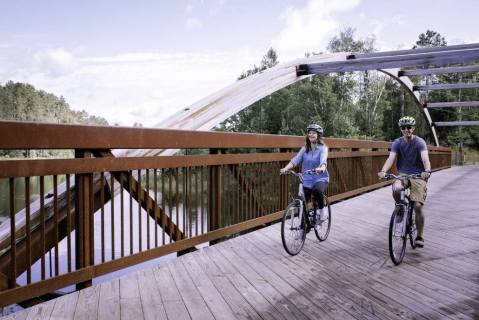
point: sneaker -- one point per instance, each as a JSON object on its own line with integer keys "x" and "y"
{"x": 419, "y": 242}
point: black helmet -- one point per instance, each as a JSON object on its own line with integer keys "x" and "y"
{"x": 315, "y": 127}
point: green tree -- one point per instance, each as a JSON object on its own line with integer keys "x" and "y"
{"x": 22, "y": 102}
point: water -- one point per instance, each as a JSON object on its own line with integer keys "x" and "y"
{"x": 108, "y": 250}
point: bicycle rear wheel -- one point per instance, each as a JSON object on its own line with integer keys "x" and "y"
{"x": 397, "y": 234}
{"x": 322, "y": 229}
{"x": 293, "y": 233}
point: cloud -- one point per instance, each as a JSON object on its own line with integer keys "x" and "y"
{"x": 143, "y": 87}
{"x": 54, "y": 62}
{"x": 192, "y": 24}
{"x": 308, "y": 29}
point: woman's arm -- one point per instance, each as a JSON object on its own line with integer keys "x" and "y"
{"x": 323, "y": 160}
{"x": 294, "y": 162}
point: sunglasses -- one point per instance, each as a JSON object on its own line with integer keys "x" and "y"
{"x": 406, "y": 127}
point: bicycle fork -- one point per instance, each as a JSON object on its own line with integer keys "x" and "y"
{"x": 298, "y": 228}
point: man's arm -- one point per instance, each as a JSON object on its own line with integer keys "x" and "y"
{"x": 389, "y": 162}
{"x": 425, "y": 160}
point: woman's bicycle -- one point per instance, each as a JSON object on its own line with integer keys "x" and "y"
{"x": 298, "y": 221}
{"x": 403, "y": 221}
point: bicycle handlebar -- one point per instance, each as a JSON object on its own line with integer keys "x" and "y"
{"x": 390, "y": 176}
{"x": 294, "y": 173}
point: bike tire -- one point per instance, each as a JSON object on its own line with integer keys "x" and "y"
{"x": 412, "y": 228}
{"x": 322, "y": 230}
{"x": 397, "y": 236}
{"x": 293, "y": 231}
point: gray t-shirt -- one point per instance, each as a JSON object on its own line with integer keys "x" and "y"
{"x": 409, "y": 155}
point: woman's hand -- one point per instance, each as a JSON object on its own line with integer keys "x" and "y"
{"x": 320, "y": 169}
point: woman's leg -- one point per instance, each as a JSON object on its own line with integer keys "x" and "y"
{"x": 318, "y": 192}
{"x": 307, "y": 197}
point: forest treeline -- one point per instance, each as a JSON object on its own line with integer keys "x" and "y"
{"x": 361, "y": 105}
{"x": 22, "y": 102}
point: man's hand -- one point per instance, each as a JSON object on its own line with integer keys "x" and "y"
{"x": 382, "y": 175}
{"x": 283, "y": 170}
{"x": 425, "y": 175}
{"x": 319, "y": 170}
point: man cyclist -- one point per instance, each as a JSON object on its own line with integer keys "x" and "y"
{"x": 412, "y": 158}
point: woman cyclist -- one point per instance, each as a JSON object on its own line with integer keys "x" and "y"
{"x": 313, "y": 156}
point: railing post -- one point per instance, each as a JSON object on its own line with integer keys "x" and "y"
{"x": 283, "y": 186}
{"x": 215, "y": 188}
{"x": 84, "y": 219}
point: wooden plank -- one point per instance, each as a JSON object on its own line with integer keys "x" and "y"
{"x": 174, "y": 306}
{"x": 328, "y": 304}
{"x": 263, "y": 306}
{"x": 130, "y": 298}
{"x": 455, "y": 123}
{"x": 41, "y": 311}
{"x": 443, "y": 70}
{"x": 268, "y": 290}
{"x": 150, "y": 296}
{"x": 446, "y": 86}
{"x": 218, "y": 306}
{"x": 20, "y": 315}
{"x": 65, "y": 306}
{"x": 195, "y": 304}
{"x": 109, "y": 300}
{"x": 331, "y": 278}
{"x": 87, "y": 305}
{"x": 240, "y": 307}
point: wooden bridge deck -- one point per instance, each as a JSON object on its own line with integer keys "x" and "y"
{"x": 349, "y": 276}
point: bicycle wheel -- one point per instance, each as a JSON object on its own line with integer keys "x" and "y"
{"x": 412, "y": 228}
{"x": 293, "y": 232}
{"x": 397, "y": 235}
{"x": 322, "y": 229}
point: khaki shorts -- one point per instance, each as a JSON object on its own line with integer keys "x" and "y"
{"x": 418, "y": 191}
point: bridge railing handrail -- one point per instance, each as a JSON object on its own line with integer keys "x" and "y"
{"x": 228, "y": 192}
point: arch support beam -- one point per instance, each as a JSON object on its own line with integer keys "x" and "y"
{"x": 408, "y": 85}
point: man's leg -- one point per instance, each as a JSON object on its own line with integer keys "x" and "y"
{"x": 419, "y": 219}
{"x": 418, "y": 195}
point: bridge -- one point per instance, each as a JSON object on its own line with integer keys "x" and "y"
{"x": 128, "y": 197}
{"x": 349, "y": 276}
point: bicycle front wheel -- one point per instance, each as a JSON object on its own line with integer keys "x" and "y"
{"x": 321, "y": 229}
{"x": 293, "y": 233}
{"x": 412, "y": 229}
{"x": 397, "y": 235}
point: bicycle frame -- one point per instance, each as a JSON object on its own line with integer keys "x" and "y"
{"x": 298, "y": 221}
{"x": 405, "y": 212}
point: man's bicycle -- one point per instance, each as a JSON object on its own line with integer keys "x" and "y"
{"x": 298, "y": 221}
{"x": 403, "y": 221}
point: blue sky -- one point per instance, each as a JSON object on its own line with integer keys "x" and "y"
{"x": 140, "y": 61}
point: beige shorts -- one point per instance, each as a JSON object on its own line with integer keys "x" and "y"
{"x": 418, "y": 191}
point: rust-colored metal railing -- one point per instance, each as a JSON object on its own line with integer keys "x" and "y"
{"x": 71, "y": 220}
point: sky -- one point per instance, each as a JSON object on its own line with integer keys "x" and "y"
{"x": 141, "y": 61}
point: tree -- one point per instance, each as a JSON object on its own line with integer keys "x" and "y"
{"x": 22, "y": 102}
{"x": 430, "y": 39}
